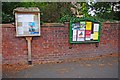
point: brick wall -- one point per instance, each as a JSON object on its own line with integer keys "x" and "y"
{"x": 53, "y": 44}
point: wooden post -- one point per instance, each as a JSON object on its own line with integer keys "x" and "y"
{"x": 29, "y": 39}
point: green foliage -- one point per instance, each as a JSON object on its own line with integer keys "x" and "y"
{"x": 7, "y": 18}
{"x": 7, "y": 15}
{"x": 84, "y": 9}
{"x": 105, "y": 10}
{"x": 65, "y": 18}
{"x": 68, "y": 18}
{"x": 61, "y": 11}
{"x": 51, "y": 11}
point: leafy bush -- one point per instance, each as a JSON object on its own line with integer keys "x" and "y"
{"x": 52, "y": 11}
{"x": 7, "y": 18}
{"x": 65, "y": 18}
{"x": 60, "y": 11}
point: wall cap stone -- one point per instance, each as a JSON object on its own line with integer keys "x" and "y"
{"x": 8, "y": 25}
{"x": 43, "y": 25}
{"x": 53, "y": 24}
{"x": 112, "y": 22}
{"x": 12, "y": 25}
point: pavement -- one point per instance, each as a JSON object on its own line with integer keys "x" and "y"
{"x": 99, "y": 68}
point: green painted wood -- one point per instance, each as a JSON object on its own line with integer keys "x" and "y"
{"x": 74, "y": 20}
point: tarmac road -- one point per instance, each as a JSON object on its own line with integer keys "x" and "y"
{"x": 99, "y": 68}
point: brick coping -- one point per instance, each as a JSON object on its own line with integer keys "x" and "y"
{"x": 12, "y": 25}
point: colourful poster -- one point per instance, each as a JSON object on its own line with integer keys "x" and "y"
{"x": 82, "y": 25}
{"x": 76, "y": 26}
{"x": 81, "y": 33}
{"x": 88, "y": 31}
{"x": 88, "y": 25}
{"x": 95, "y": 36}
{"x": 96, "y": 27}
{"x": 87, "y": 35}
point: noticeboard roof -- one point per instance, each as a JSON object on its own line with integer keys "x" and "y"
{"x": 29, "y": 9}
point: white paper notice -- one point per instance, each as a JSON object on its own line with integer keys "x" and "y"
{"x": 20, "y": 30}
{"x": 25, "y": 26}
{"x": 91, "y": 36}
{"x": 96, "y": 27}
{"x": 74, "y": 35}
{"x": 87, "y": 38}
{"x": 74, "y": 32}
{"x": 80, "y": 39}
{"x": 74, "y": 38}
{"x": 25, "y": 18}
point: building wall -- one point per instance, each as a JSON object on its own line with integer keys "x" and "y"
{"x": 53, "y": 44}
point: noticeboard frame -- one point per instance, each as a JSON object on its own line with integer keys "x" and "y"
{"x": 74, "y": 20}
{"x": 30, "y": 35}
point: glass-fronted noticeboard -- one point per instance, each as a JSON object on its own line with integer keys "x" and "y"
{"x": 83, "y": 30}
{"x": 27, "y": 22}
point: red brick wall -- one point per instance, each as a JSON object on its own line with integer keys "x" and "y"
{"x": 53, "y": 44}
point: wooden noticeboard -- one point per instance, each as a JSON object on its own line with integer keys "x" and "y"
{"x": 84, "y": 30}
{"x": 27, "y": 23}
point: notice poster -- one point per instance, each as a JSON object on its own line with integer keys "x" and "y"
{"x": 82, "y": 25}
{"x": 87, "y": 35}
{"x": 20, "y": 30}
{"x": 81, "y": 33}
{"x": 74, "y": 35}
{"x": 95, "y": 36}
{"x": 91, "y": 36}
{"x": 96, "y": 27}
{"x": 76, "y": 26}
{"x": 74, "y": 38}
{"x": 25, "y": 26}
{"x": 88, "y": 25}
{"x": 33, "y": 28}
{"x": 88, "y": 31}
{"x": 87, "y": 38}
{"x": 25, "y": 18}
{"x": 80, "y": 39}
